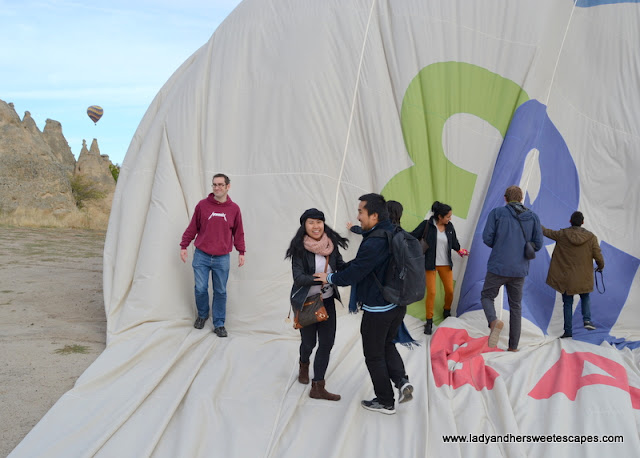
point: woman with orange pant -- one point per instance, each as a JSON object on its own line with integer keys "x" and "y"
{"x": 441, "y": 238}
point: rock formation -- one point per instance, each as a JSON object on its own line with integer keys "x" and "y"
{"x": 52, "y": 134}
{"x": 94, "y": 167}
{"x": 91, "y": 164}
{"x": 29, "y": 174}
{"x": 36, "y": 168}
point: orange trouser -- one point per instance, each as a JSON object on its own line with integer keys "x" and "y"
{"x": 446, "y": 277}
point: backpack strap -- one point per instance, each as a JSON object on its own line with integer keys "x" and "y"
{"x": 380, "y": 287}
{"x": 380, "y": 233}
{"x": 426, "y": 227}
{"x": 521, "y": 227}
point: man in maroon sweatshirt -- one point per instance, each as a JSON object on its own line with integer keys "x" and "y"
{"x": 217, "y": 227}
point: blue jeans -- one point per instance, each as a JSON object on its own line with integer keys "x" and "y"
{"x": 585, "y": 303}
{"x": 204, "y": 263}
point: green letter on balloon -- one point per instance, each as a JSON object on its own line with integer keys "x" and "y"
{"x": 439, "y": 91}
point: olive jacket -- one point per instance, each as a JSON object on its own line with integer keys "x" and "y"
{"x": 571, "y": 268}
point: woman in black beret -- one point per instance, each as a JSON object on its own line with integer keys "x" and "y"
{"x": 313, "y": 249}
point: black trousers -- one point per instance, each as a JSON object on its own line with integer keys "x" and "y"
{"x": 324, "y": 333}
{"x": 383, "y": 361}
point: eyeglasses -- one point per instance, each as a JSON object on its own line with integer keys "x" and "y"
{"x": 219, "y": 185}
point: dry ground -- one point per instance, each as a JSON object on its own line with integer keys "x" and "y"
{"x": 52, "y": 320}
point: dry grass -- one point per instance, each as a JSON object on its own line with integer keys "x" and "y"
{"x": 68, "y": 349}
{"x": 87, "y": 218}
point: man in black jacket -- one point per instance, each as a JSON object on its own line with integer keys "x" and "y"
{"x": 381, "y": 319}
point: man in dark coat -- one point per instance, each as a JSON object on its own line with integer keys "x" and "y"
{"x": 571, "y": 268}
{"x": 381, "y": 320}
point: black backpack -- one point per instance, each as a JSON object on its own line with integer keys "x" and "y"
{"x": 404, "y": 282}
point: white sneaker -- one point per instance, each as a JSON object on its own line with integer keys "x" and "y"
{"x": 494, "y": 337}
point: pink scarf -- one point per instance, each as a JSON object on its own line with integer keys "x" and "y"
{"x": 323, "y": 247}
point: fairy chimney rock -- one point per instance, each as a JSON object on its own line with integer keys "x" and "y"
{"x": 29, "y": 124}
{"x": 61, "y": 150}
{"x": 8, "y": 115}
{"x": 30, "y": 176}
{"x": 91, "y": 164}
{"x": 34, "y": 140}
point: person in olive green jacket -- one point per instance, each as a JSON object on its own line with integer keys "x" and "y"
{"x": 571, "y": 268}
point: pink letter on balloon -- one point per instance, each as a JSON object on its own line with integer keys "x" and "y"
{"x": 456, "y": 347}
{"x": 565, "y": 376}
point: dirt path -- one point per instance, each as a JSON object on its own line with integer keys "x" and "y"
{"x": 52, "y": 320}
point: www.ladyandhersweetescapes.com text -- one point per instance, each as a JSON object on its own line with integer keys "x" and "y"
{"x": 525, "y": 438}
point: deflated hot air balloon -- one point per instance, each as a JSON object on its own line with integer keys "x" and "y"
{"x": 95, "y": 113}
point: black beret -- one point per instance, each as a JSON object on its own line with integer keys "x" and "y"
{"x": 312, "y": 213}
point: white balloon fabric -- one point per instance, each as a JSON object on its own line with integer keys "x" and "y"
{"x": 312, "y": 104}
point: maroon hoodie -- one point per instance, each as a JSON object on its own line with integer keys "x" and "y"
{"x": 216, "y": 226}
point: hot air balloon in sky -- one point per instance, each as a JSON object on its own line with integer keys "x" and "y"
{"x": 95, "y": 113}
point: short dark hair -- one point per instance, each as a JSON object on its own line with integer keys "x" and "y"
{"x": 375, "y": 203}
{"x": 577, "y": 218}
{"x": 221, "y": 175}
{"x": 513, "y": 194}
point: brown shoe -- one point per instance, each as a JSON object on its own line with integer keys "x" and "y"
{"x": 496, "y": 328}
{"x": 318, "y": 392}
{"x": 303, "y": 376}
{"x": 513, "y": 349}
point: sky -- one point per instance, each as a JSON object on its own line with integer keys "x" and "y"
{"x": 59, "y": 57}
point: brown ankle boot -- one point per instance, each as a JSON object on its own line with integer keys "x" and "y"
{"x": 303, "y": 376}
{"x": 318, "y": 392}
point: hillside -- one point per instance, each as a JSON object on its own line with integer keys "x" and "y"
{"x": 42, "y": 184}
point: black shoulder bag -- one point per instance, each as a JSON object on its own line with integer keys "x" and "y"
{"x": 595, "y": 275}
{"x": 313, "y": 309}
{"x": 529, "y": 249}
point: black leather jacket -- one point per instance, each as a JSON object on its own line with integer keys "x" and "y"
{"x": 303, "y": 269}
